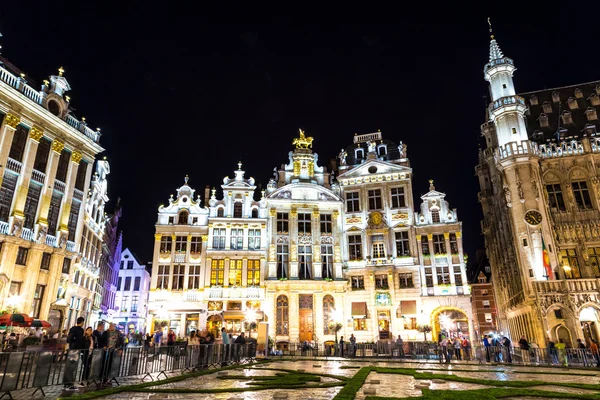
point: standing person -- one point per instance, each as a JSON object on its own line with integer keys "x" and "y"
{"x": 76, "y": 341}
{"x": 171, "y": 338}
{"x": 97, "y": 335}
{"x": 594, "y": 350}
{"x": 524, "y": 345}
{"x": 158, "y": 337}
{"x": 399, "y": 344}
{"x": 342, "y": 343}
{"x": 444, "y": 350}
{"x": 87, "y": 353}
{"x": 552, "y": 352}
{"x": 560, "y": 346}
{"x": 487, "y": 345}
{"x": 353, "y": 344}
{"x": 466, "y": 345}
{"x": 457, "y": 345}
{"x": 114, "y": 344}
{"x": 507, "y": 343}
{"x": 225, "y": 339}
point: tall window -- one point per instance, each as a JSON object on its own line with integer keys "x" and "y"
{"x": 237, "y": 210}
{"x": 406, "y": 280}
{"x": 304, "y": 224}
{"x": 31, "y": 204}
{"x": 163, "y": 277}
{"x": 7, "y": 191}
{"x": 220, "y": 212}
{"x": 439, "y": 244}
{"x": 357, "y": 282}
{"x": 66, "y": 267}
{"x": 194, "y": 277}
{"x": 22, "y": 254}
{"x": 570, "y": 263}
{"x": 398, "y": 198}
{"x": 326, "y": 224}
{"x": 63, "y": 165}
{"x": 235, "y": 273}
{"x": 183, "y": 218}
{"x": 282, "y": 223}
{"x": 253, "y": 271}
{"x": 443, "y": 275}
{"x": 355, "y": 247}
{"x": 305, "y": 262}
{"x": 255, "y": 213}
{"x": 73, "y": 219}
{"x": 81, "y": 173}
{"x": 134, "y": 303}
{"x": 217, "y": 272}
{"x": 378, "y": 246}
{"x": 555, "y": 197}
{"x": 41, "y": 156}
{"x": 237, "y": 239}
{"x": 402, "y": 244}
{"x": 381, "y": 281}
{"x": 328, "y": 310}
{"x": 178, "y": 275}
{"x": 282, "y": 316}
{"x": 253, "y": 239}
{"x": 124, "y": 303}
{"x": 165, "y": 244}
{"x": 352, "y": 202}
{"x": 428, "y": 277}
{"x": 53, "y": 212}
{"x": 374, "y": 199}
{"x": 594, "y": 253}
{"x": 181, "y": 244}
{"x": 582, "y": 195}
{"x": 119, "y": 282}
{"x": 36, "y": 305}
{"x": 17, "y": 148}
{"x": 283, "y": 254}
{"x": 130, "y": 264}
{"x": 457, "y": 276}
{"x": 127, "y": 283}
{"x": 327, "y": 261}
{"x": 45, "y": 264}
{"x": 425, "y": 247}
{"x": 453, "y": 244}
{"x": 219, "y": 238}
{"x": 136, "y": 283}
{"x": 435, "y": 216}
{"x": 196, "y": 245}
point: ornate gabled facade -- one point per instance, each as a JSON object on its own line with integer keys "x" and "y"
{"x": 404, "y": 269}
{"x": 540, "y": 198}
{"x": 45, "y": 170}
{"x": 177, "y": 290}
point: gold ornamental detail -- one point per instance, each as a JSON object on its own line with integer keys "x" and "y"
{"x": 418, "y": 237}
{"x": 353, "y": 220}
{"x": 36, "y": 133}
{"x": 157, "y": 236}
{"x": 430, "y": 236}
{"x": 76, "y": 157}
{"x": 57, "y": 146}
{"x": 189, "y": 238}
{"x": 446, "y": 235}
{"x": 399, "y": 216}
{"x": 311, "y": 168}
{"x": 335, "y": 214}
{"x": 458, "y": 235}
{"x": 205, "y": 238}
{"x": 315, "y": 212}
{"x": 297, "y": 168}
{"x": 302, "y": 142}
{"x": 293, "y": 211}
{"x": 12, "y": 120}
{"x": 273, "y": 212}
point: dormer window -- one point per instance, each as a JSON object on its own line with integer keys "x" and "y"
{"x": 555, "y": 97}
{"x": 255, "y": 213}
{"x": 567, "y": 118}
{"x": 237, "y": 210}
{"x": 578, "y": 93}
{"x": 435, "y": 216}
{"x": 590, "y": 130}
{"x": 547, "y": 107}
{"x": 220, "y": 212}
{"x": 594, "y": 99}
{"x": 183, "y": 218}
{"x": 533, "y": 100}
{"x": 382, "y": 150}
{"x": 591, "y": 114}
{"x": 572, "y": 102}
{"x": 359, "y": 153}
{"x": 543, "y": 118}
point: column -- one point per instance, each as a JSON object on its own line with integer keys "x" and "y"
{"x": 422, "y": 267}
{"x": 318, "y": 316}
{"x": 156, "y": 261}
{"x": 7, "y": 132}
{"x": 226, "y": 272}
{"x": 48, "y": 189}
{"x": 67, "y": 198}
{"x": 337, "y": 251}
{"x": 204, "y": 262}
{"x": 35, "y": 134}
{"x": 207, "y": 273}
{"x": 263, "y": 266}
{"x": 244, "y": 272}
{"x": 293, "y": 232}
{"x": 32, "y": 272}
{"x": 432, "y": 258}
{"x": 449, "y": 259}
{"x": 7, "y": 266}
{"x": 81, "y": 220}
{"x": 316, "y": 239}
{"x": 272, "y": 267}
{"x": 293, "y": 316}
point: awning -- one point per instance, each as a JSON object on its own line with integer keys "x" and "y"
{"x": 359, "y": 310}
{"x": 236, "y": 314}
{"x": 408, "y": 307}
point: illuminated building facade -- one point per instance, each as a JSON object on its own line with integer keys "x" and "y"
{"x": 540, "y": 195}
{"x": 46, "y": 158}
{"x": 133, "y": 286}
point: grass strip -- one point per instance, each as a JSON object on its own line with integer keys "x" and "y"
{"x": 353, "y": 385}
{"x": 489, "y": 394}
{"x": 350, "y": 367}
{"x": 174, "y": 379}
{"x": 463, "y": 370}
{"x": 553, "y": 373}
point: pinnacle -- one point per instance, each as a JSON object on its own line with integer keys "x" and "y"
{"x": 495, "y": 52}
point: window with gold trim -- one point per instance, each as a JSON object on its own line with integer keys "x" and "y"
{"x": 594, "y": 253}
{"x": 570, "y": 263}
{"x": 282, "y": 321}
{"x": 253, "y": 272}
{"x": 328, "y": 308}
{"x": 217, "y": 272}
{"x": 235, "y": 273}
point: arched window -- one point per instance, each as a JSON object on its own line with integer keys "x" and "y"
{"x": 220, "y": 212}
{"x": 255, "y": 213}
{"x": 282, "y": 315}
{"x": 237, "y": 210}
{"x": 183, "y": 218}
{"x": 382, "y": 150}
{"x": 435, "y": 216}
{"x": 328, "y": 308}
{"x": 359, "y": 153}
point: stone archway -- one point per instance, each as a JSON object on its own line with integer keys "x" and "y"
{"x": 563, "y": 333}
{"x": 589, "y": 322}
{"x": 453, "y": 320}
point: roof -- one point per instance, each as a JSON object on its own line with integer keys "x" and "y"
{"x": 393, "y": 153}
{"x": 575, "y": 99}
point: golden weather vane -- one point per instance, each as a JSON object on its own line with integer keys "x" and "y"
{"x": 490, "y": 24}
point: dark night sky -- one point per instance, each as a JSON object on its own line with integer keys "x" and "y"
{"x": 182, "y": 95}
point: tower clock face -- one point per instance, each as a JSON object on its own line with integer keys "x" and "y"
{"x": 533, "y": 217}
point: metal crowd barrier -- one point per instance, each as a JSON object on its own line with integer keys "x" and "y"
{"x": 26, "y": 370}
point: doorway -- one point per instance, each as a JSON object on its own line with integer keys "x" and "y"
{"x": 562, "y": 333}
{"x": 306, "y": 318}
{"x": 383, "y": 321}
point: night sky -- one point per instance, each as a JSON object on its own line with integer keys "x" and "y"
{"x": 191, "y": 95}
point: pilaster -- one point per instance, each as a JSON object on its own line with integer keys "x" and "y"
{"x": 35, "y": 134}
{"x": 7, "y": 266}
{"x": 54, "y": 281}
{"x": 32, "y": 272}
{"x": 48, "y": 188}
{"x": 67, "y": 201}
{"x": 7, "y": 133}
{"x": 293, "y": 232}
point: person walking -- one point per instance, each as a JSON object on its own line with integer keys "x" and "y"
{"x": 487, "y": 345}
{"x": 225, "y": 340}
{"x": 76, "y": 341}
{"x": 457, "y": 346}
{"x": 353, "y": 344}
{"x": 594, "y": 350}
{"x": 114, "y": 345}
{"x": 552, "y": 351}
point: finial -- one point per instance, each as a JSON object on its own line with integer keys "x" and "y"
{"x": 186, "y": 179}
{"x": 68, "y": 98}
{"x": 239, "y": 165}
{"x": 82, "y": 119}
{"x": 61, "y": 71}
{"x": 431, "y": 187}
{"x": 431, "y": 181}
{"x": 22, "y": 75}
{"x": 490, "y": 24}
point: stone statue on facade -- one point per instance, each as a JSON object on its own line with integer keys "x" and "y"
{"x": 16, "y": 228}
{"x": 342, "y": 156}
{"x": 371, "y": 146}
{"x": 536, "y": 189}
{"x": 507, "y": 196}
{"x": 42, "y": 232}
{"x": 520, "y": 191}
{"x": 63, "y": 241}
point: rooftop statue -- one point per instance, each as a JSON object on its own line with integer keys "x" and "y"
{"x": 303, "y": 142}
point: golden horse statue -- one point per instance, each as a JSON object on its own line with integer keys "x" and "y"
{"x": 303, "y": 142}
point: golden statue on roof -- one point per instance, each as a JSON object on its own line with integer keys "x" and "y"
{"x": 303, "y": 142}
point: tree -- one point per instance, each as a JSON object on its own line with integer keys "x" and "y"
{"x": 425, "y": 329}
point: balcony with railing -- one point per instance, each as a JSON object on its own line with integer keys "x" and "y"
{"x": 38, "y": 176}
{"x": 4, "y": 228}
{"x": 70, "y": 245}
{"x": 14, "y": 165}
{"x": 78, "y": 194}
{"x": 507, "y": 101}
{"x": 235, "y": 292}
{"x": 27, "y": 234}
{"x": 51, "y": 240}
{"x": 517, "y": 148}
{"x": 179, "y": 257}
{"x": 59, "y": 186}
{"x": 21, "y": 85}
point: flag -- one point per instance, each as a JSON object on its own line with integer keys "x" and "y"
{"x": 546, "y": 260}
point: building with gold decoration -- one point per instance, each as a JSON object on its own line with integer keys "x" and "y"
{"x": 404, "y": 269}
{"x": 540, "y": 195}
{"x": 46, "y": 157}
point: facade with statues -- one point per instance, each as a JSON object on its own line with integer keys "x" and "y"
{"x": 540, "y": 195}
{"x": 315, "y": 257}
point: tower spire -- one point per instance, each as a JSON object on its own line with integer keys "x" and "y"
{"x": 495, "y": 52}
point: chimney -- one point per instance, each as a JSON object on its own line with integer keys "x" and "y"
{"x": 206, "y": 195}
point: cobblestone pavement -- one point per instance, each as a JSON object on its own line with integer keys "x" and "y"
{"x": 386, "y": 385}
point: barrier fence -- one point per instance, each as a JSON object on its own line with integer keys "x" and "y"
{"x": 36, "y": 369}
{"x": 26, "y": 370}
